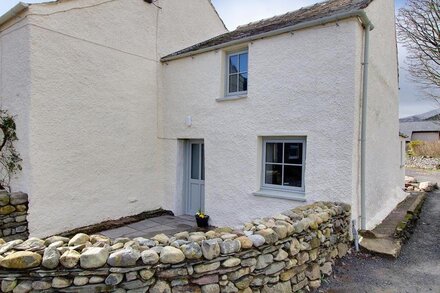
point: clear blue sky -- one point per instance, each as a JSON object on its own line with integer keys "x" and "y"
{"x": 236, "y": 12}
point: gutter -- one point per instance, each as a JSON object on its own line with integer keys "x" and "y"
{"x": 13, "y": 12}
{"x": 322, "y": 21}
{"x": 403, "y": 135}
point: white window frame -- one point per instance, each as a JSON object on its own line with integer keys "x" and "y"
{"x": 284, "y": 140}
{"x": 228, "y": 57}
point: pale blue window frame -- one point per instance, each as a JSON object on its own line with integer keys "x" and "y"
{"x": 284, "y": 140}
{"x": 238, "y": 73}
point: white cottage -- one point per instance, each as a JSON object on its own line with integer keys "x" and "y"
{"x": 116, "y": 118}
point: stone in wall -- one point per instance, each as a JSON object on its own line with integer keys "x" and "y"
{"x": 412, "y": 185}
{"x": 285, "y": 253}
{"x": 13, "y": 215}
{"x": 423, "y": 163}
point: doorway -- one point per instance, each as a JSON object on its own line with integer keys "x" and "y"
{"x": 195, "y": 191}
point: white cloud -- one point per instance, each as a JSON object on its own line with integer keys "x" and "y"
{"x": 413, "y": 99}
{"x": 5, "y": 5}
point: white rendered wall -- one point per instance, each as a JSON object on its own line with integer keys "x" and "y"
{"x": 403, "y": 155}
{"x": 15, "y": 89}
{"x": 183, "y": 22}
{"x": 384, "y": 176}
{"x": 88, "y": 131}
{"x": 93, "y": 110}
{"x": 425, "y": 136}
{"x": 290, "y": 93}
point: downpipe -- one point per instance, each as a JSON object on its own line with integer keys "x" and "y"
{"x": 355, "y": 235}
{"x": 368, "y": 27}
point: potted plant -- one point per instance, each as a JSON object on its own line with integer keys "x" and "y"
{"x": 202, "y": 219}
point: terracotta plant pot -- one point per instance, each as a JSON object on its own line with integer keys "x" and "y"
{"x": 202, "y": 222}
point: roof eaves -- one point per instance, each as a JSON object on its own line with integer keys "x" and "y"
{"x": 360, "y": 13}
{"x": 403, "y": 135}
{"x": 13, "y": 12}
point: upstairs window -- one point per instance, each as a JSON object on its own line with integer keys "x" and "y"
{"x": 237, "y": 79}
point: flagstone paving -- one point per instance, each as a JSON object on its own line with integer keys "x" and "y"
{"x": 148, "y": 228}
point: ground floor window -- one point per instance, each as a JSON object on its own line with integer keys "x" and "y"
{"x": 283, "y": 163}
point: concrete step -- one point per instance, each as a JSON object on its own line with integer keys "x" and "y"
{"x": 382, "y": 246}
{"x": 387, "y": 237}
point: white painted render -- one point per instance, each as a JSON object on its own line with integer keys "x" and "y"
{"x": 290, "y": 94}
{"x": 15, "y": 88}
{"x": 102, "y": 121}
{"x": 88, "y": 83}
{"x": 403, "y": 156}
{"x": 425, "y": 136}
{"x": 384, "y": 176}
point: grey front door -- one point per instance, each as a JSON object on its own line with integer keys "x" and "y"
{"x": 195, "y": 198}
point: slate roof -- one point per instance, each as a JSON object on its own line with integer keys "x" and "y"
{"x": 408, "y": 128}
{"x": 426, "y": 122}
{"x": 314, "y": 12}
{"x": 422, "y": 117}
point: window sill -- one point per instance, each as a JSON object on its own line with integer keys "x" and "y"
{"x": 231, "y": 98}
{"x": 289, "y": 195}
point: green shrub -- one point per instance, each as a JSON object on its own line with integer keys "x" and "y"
{"x": 411, "y": 147}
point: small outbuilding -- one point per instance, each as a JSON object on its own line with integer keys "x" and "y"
{"x": 423, "y": 127}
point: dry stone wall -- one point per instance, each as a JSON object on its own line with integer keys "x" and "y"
{"x": 285, "y": 253}
{"x": 13, "y": 215}
{"x": 423, "y": 163}
{"x": 411, "y": 184}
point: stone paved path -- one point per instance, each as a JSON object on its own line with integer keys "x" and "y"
{"x": 168, "y": 225}
{"x": 416, "y": 270}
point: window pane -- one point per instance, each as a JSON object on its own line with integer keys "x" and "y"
{"x": 195, "y": 160}
{"x": 203, "y": 162}
{"x": 273, "y": 174}
{"x": 233, "y": 83}
{"x": 293, "y": 176}
{"x": 244, "y": 62}
{"x": 293, "y": 153}
{"x": 243, "y": 80}
{"x": 274, "y": 152}
{"x": 233, "y": 64}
